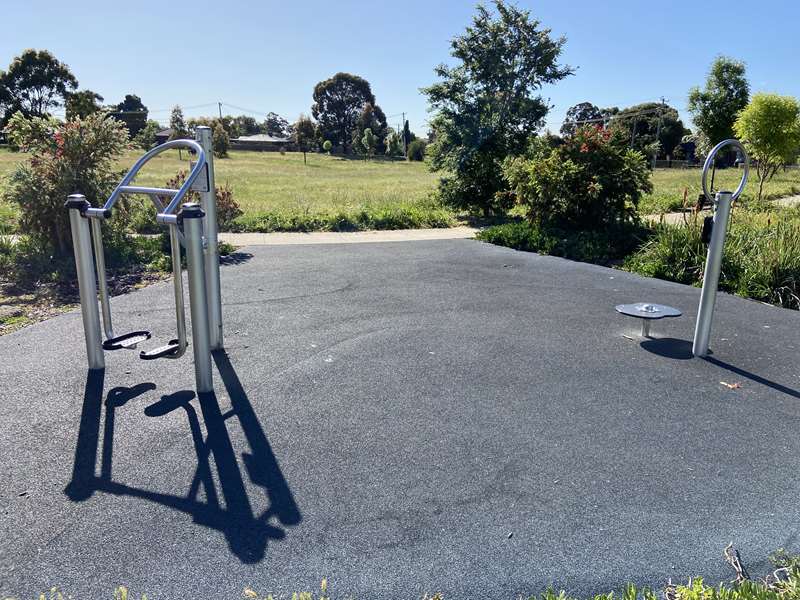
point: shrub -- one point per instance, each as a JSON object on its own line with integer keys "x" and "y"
{"x": 327, "y": 145}
{"x": 591, "y": 181}
{"x": 221, "y": 141}
{"x": 416, "y": 150}
{"x": 76, "y": 156}
{"x": 600, "y": 247}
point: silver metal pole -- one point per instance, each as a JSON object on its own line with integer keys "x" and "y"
{"x": 705, "y": 313}
{"x": 208, "y": 201}
{"x": 192, "y": 216}
{"x": 82, "y": 245}
{"x": 177, "y": 289}
{"x": 102, "y": 285}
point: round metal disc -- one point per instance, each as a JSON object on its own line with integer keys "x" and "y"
{"x": 648, "y": 310}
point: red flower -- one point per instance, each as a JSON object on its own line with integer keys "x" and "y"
{"x": 584, "y": 147}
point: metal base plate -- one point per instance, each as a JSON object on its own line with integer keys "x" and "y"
{"x": 647, "y": 310}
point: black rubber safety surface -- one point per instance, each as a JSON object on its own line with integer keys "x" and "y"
{"x": 402, "y": 418}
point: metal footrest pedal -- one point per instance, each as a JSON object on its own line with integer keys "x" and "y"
{"x": 169, "y": 349}
{"x": 126, "y": 340}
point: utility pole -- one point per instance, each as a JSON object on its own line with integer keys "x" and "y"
{"x": 219, "y": 105}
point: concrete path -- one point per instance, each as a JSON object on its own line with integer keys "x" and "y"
{"x": 445, "y": 416}
{"x": 355, "y": 237}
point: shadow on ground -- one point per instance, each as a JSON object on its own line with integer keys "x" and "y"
{"x": 246, "y": 530}
{"x": 677, "y": 349}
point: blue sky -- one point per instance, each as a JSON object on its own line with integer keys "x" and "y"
{"x": 267, "y": 55}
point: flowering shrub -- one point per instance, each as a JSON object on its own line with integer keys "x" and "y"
{"x": 591, "y": 181}
{"x": 64, "y": 158}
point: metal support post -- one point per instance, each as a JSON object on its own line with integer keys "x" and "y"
{"x": 84, "y": 265}
{"x": 208, "y": 200}
{"x": 192, "y": 216}
{"x": 705, "y": 314}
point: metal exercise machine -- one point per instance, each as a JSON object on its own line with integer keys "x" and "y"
{"x": 194, "y": 226}
{"x": 714, "y": 230}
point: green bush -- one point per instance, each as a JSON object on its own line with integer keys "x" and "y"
{"x": 63, "y": 158}
{"x": 600, "y": 247}
{"x": 761, "y": 258}
{"x": 591, "y": 181}
{"x": 221, "y": 141}
{"x": 416, "y": 150}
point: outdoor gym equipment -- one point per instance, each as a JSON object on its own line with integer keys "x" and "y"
{"x": 647, "y": 312}
{"x": 194, "y": 226}
{"x": 714, "y": 231}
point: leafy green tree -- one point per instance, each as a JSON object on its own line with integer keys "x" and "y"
{"x": 178, "y": 124}
{"x": 132, "y": 112}
{"x": 305, "y": 135}
{"x": 579, "y": 115}
{"x": 338, "y": 103}
{"x": 35, "y": 83}
{"x": 369, "y": 141}
{"x": 770, "y": 128}
{"x": 146, "y": 138}
{"x": 487, "y": 105}
{"x": 372, "y": 117}
{"x": 81, "y": 104}
{"x": 327, "y": 146}
{"x": 393, "y": 144}
{"x": 714, "y": 108}
{"x": 652, "y": 128}
{"x": 80, "y": 154}
{"x": 276, "y": 126}
{"x": 244, "y": 125}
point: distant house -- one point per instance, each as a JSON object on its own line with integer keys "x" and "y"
{"x": 261, "y": 141}
{"x": 163, "y": 136}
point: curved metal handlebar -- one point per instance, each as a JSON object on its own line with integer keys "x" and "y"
{"x": 710, "y": 161}
{"x": 165, "y": 214}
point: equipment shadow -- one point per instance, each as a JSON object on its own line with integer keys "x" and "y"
{"x": 228, "y": 509}
{"x": 677, "y": 349}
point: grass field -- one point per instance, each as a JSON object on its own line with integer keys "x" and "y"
{"x": 279, "y": 192}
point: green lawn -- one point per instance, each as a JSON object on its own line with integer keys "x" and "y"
{"x": 275, "y": 190}
{"x": 279, "y": 192}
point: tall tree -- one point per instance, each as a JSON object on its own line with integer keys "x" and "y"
{"x": 652, "y": 128}
{"x": 407, "y": 137}
{"x": 369, "y": 141}
{"x": 579, "y": 115}
{"x": 276, "y": 126}
{"x": 81, "y": 104}
{"x": 770, "y": 128}
{"x": 338, "y": 102}
{"x": 487, "y": 105}
{"x": 373, "y": 118}
{"x": 132, "y": 112}
{"x": 714, "y": 108}
{"x": 35, "y": 83}
{"x": 305, "y": 135}
{"x": 178, "y": 126}
{"x": 244, "y": 125}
